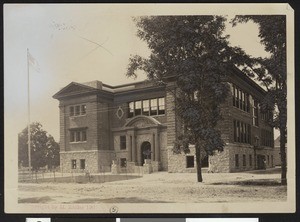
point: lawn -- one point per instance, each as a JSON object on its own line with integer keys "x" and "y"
{"x": 162, "y": 187}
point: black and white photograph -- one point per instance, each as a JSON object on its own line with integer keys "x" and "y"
{"x": 149, "y": 108}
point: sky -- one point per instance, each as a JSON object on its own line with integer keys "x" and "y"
{"x": 60, "y": 38}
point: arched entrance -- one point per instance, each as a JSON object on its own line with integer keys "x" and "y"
{"x": 145, "y": 151}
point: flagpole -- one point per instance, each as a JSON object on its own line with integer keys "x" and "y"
{"x": 29, "y": 137}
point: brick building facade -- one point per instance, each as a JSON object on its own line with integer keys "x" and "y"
{"x": 127, "y": 124}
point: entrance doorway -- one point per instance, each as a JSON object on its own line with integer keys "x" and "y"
{"x": 145, "y": 151}
{"x": 261, "y": 162}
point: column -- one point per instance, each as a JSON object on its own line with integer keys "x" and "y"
{"x": 157, "y": 153}
{"x": 133, "y": 147}
{"x": 152, "y": 147}
{"x": 128, "y": 145}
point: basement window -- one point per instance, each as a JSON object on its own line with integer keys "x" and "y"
{"x": 190, "y": 163}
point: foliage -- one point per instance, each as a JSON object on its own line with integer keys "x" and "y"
{"x": 44, "y": 149}
{"x": 194, "y": 51}
{"x": 272, "y": 72}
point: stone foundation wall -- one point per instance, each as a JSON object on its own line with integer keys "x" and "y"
{"x": 177, "y": 162}
{"x": 219, "y": 162}
{"x": 91, "y": 161}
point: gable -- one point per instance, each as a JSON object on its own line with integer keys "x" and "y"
{"x": 74, "y": 89}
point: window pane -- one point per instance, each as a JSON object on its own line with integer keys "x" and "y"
{"x": 82, "y": 164}
{"x": 83, "y": 134}
{"x": 153, "y": 104}
{"x": 190, "y": 162}
{"x": 130, "y": 109}
{"x": 138, "y": 108}
{"x": 123, "y": 162}
{"x": 72, "y": 136}
{"x": 123, "y": 142}
{"x": 73, "y": 164}
{"x": 72, "y": 111}
{"x": 77, "y": 110}
{"x": 161, "y": 106}
{"x": 146, "y": 107}
{"x": 83, "y": 109}
{"x": 77, "y": 136}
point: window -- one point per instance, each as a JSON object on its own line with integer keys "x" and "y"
{"x": 123, "y": 162}
{"x": 146, "y": 107}
{"x": 250, "y": 160}
{"x": 153, "y": 107}
{"x": 73, "y": 164}
{"x": 190, "y": 162}
{"x": 240, "y": 99}
{"x": 131, "y": 110}
{"x": 78, "y": 136}
{"x": 83, "y": 109}
{"x": 138, "y": 108}
{"x": 266, "y": 138}
{"x": 236, "y": 160}
{"x": 122, "y": 142}
{"x": 77, "y": 110}
{"x": 82, "y": 164}
{"x": 242, "y": 132}
{"x": 161, "y": 106}
{"x": 244, "y": 160}
{"x": 255, "y": 113}
{"x": 72, "y": 111}
{"x": 268, "y": 157}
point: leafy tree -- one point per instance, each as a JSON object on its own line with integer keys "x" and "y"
{"x": 193, "y": 51}
{"x": 271, "y": 72}
{"x": 44, "y": 149}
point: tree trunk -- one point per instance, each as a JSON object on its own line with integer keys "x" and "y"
{"x": 282, "y": 107}
{"x": 198, "y": 162}
{"x": 283, "y": 156}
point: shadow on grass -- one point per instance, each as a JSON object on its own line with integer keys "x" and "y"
{"x": 117, "y": 200}
{"x": 45, "y": 199}
{"x": 261, "y": 182}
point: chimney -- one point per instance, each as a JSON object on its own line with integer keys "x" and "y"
{"x": 95, "y": 84}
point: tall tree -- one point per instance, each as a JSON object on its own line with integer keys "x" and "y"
{"x": 271, "y": 72}
{"x": 44, "y": 149}
{"x": 194, "y": 51}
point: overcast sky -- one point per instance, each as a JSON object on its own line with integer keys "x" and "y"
{"x": 57, "y": 37}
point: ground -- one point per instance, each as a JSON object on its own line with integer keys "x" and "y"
{"x": 163, "y": 187}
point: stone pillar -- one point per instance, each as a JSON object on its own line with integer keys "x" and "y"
{"x": 152, "y": 147}
{"x": 128, "y": 145}
{"x": 133, "y": 148}
{"x": 157, "y": 153}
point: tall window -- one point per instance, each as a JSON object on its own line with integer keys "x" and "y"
{"x": 250, "y": 160}
{"x": 153, "y": 107}
{"x": 244, "y": 160}
{"x": 237, "y": 160}
{"x": 78, "y": 110}
{"x": 122, "y": 142}
{"x": 241, "y": 132}
{"x": 240, "y": 99}
{"x": 82, "y": 164}
{"x": 161, "y": 106}
{"x": 138, "y": 108}
{"x": 255, "y": 113}
{"x": 146, "y": 107}
{"x": 73, "y": 164}
{"x": 131, "y": 110}
{"x": 78, "y": 136}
